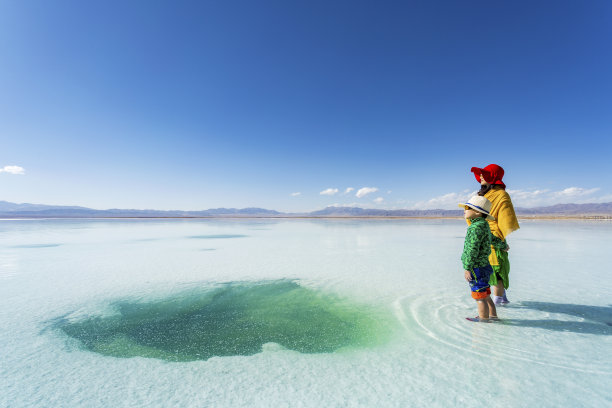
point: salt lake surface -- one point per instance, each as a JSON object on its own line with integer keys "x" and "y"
{"x": 297, "y": 313}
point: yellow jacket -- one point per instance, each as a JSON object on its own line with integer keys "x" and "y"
{"x": 505, "y": 219}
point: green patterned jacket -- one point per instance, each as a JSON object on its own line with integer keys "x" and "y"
{"x": 477, "y": 245}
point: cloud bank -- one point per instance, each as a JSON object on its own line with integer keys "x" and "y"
{"x": 521, "y": 198}
{"x": 538, "y": 198}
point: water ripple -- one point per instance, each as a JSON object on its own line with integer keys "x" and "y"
{"x": 526, "y": 331}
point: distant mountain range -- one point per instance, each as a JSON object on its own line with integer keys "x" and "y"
{"x": 13, "y": 210}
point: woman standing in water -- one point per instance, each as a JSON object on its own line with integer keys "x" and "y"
{"x": 493, "y": 189}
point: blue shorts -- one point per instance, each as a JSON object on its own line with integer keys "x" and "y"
{"x": 480, "y": 282}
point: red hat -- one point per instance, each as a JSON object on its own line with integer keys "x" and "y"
{"x": 492, "y": 174}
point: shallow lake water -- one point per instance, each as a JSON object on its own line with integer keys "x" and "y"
{"x": 298, "y": 313}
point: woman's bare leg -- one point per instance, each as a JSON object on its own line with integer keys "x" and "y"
{"x": 498, "y": 290}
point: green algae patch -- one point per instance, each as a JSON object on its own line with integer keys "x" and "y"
{"x": 234, "y": 319}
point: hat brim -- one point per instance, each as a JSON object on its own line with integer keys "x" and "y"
{"x": 478, "y": 171}
{"x": 489, "y": 216}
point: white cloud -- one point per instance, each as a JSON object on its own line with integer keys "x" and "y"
{"x": 365, "y": 191}
{"x": 389, "y": 192}
{"x": 379, "y": 200}
{"x": 445, "y": 202}
{"x": 296, "y": 194}
{"x": 12, "y": 170}
{"x": 348, "y": 190}
{"x": 528, "y": 196}
{"x": 576, "y": 192}
{"x": 329, "y": 191}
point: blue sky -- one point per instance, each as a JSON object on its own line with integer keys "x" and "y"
{"x": 204, "y": 104}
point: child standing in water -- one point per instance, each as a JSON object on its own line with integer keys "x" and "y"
{"x": 475, "y": 257}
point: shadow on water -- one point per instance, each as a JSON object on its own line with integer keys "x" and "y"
{"x": 598, "y": 319}
{"x": 36, "y": 246}
{"x": 234, "y": 319}
{"x": 219, "y": 236}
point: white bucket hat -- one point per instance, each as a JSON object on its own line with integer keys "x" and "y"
{"x": 480, "y": 204}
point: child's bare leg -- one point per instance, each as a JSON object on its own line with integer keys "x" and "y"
{"x": 492, "y": 309}
{"x": 483, "y": 308}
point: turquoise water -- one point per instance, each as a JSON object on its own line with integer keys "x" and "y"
{"x": 232, "y": 319}
{"x": 231, "y": 313}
